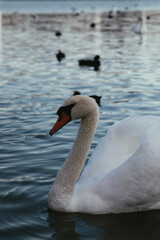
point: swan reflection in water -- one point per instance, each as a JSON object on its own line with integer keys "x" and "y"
{"x": 76, "y": 226}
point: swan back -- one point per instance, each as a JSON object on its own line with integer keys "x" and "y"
{"x": 123, "y": 173}
{"x": 122, "y": 140}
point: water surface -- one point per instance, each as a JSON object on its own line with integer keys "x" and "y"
{"x": 67, "y": 6}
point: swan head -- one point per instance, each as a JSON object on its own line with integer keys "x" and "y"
{"x": 75, "y": 107}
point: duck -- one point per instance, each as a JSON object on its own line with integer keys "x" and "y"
{"x": 92, "y": 25}
{"x": 95, "y": 62}
{"x": 60, "y": 56}
{"x": 95, "y": 97}
{"x": 58, "y": 33}
{"x": 123, "y": 173}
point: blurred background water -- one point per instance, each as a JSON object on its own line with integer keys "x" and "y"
{"x": 33, "y": 86}
{"x": 51, "y": 6}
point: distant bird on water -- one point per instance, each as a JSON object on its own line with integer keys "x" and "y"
{"x": 113, "y": 12}
{"x": 141, "y": 25}
{"x": 92, "y": 25}
{"x": 58, "y": 33}
{"x": 97, "y": 98}
{"x": 76, "y": 93}
{"x": 95, "y": 62}
{"x": 60, "y": 56}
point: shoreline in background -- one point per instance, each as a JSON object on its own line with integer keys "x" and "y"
{"x": 12, "y": 19}
{"x": 76, "y": 6}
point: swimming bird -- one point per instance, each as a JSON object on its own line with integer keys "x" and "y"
{"x": 92, "y": 25}
{"x": 58, "y": 33}
{"x": 60, "y": 56}
{"x": 95, "y": 62}
{"x": 76, "y": 93}
{"x": 141, "y": 25}
{"x": 96, "y": 98}
{"x": 122, "y": 174}
{"x": 113, "y": 12}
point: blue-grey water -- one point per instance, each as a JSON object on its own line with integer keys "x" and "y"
{"x": 50, "y": 6}
{"x": 33, "y": 85}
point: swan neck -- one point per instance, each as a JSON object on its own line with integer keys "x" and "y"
{"x": 72, "y": 167}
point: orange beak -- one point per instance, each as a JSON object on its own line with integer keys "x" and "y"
{"x": 61, "y": 121}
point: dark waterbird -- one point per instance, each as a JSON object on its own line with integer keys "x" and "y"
{"x": 92, "y": 25}
{"x": 58, "y": 33}
{"x": 95, "y": 62}
{"x": 97, "y": 98}
{"x": 60, "y": 55}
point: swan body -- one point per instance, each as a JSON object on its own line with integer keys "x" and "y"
{"x": 113, "y": 12}
{"x": 123, "y": 173}
{"x": 141, "y": 25}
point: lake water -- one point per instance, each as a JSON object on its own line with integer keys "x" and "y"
{"x": 70, "y": 5}
{"x": 33, "y": 86}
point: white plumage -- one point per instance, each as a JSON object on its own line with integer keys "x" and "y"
{"x": 123, "y": 173}
{"x": 141, "y": 24}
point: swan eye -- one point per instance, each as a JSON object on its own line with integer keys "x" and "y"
{"x": 66, "y": 109}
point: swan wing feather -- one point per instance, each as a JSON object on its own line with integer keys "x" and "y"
{"x": 133, "y": 185}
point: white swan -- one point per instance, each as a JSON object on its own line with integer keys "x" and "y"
{"x": 123, "y": 173}
{"x": 141, "y": 25}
